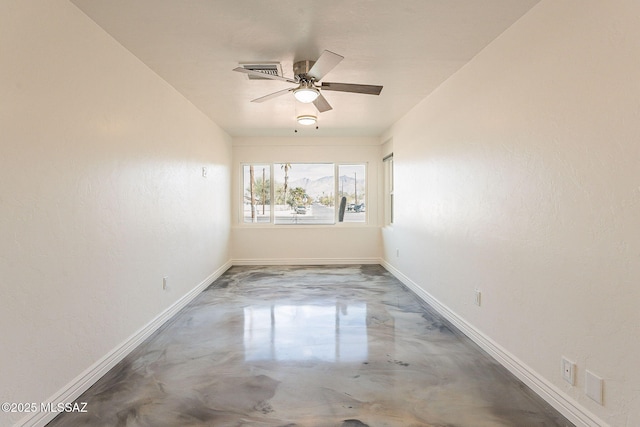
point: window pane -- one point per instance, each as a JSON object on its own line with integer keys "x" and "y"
{"x": 352, "y": 186}
{"x": 303, "y": 193}
{"x": 257, "y": 193}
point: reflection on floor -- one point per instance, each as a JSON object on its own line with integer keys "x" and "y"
{"x": 328, "y": 332}
{"x": 342, "y": 346}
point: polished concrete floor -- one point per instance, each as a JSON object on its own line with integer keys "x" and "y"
{"x": 343, "y": 346}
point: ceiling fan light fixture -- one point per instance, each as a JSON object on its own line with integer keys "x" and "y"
{"x": 306, "y": 93}
{"x": 307, "y": 119}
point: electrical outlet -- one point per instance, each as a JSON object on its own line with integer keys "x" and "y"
{"x": 204, "y": 172}
{"x": 568, "y": 371}
{"x": 165, "y": 280}
{"x": 477, "y": 297}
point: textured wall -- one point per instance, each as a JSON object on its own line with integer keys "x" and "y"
{"x": 101, "y": 195}
{"x": 520, "y": 176}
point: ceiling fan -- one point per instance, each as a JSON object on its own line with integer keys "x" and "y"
{"x": 307, "y": 78}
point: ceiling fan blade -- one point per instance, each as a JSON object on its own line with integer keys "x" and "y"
{"x": 354, "y": 88}
{"x": 272, "y": 95}
{"x": 263, "y": 75}
{"x": 324, "y": 64}
{"x": 322, "y": 104}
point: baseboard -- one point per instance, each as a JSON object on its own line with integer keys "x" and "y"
{"x": 305, "y": 261}
{"x": 575, "y": 413}
{"x": 555, "y": 397}
{"x": 92, "y": 374}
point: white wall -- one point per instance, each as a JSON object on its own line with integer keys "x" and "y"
{"x": 101, "y": 195}
{"x": 520, "y": 176}
{"x": 306, "y": 244}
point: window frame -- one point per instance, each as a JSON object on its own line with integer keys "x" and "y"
{"x": 388, "y": 202}
{"x": 272, "y": 180}
{"x": 366, "y": 191}
{"x": 241, "y": 217}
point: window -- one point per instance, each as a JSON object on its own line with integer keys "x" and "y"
{"x": 351, "y": 186}
{"x": 257, "y": 193}
{"x": 304, "y": 193}
{"x": 388, "y": 189}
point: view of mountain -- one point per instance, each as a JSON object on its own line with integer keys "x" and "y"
{"x": 325, "y": 185}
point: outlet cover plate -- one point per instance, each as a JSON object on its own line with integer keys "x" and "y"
{"x": 593, "y": 387}
{"x": 477, "y": 297}
{"x": 568, "y": 371}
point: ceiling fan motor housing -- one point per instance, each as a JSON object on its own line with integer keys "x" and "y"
{"x": 301, "y": 68}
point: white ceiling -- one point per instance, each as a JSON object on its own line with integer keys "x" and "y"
{"x": 408, "y": 46}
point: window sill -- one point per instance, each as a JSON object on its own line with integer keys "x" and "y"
{"x": 304, "y": 226}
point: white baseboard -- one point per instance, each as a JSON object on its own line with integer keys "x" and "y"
{"x": 305, "y": 261}
{"x": 555, "y": 397}
{"x": 574, "y": 412}
{"x": 86, "y": 379}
